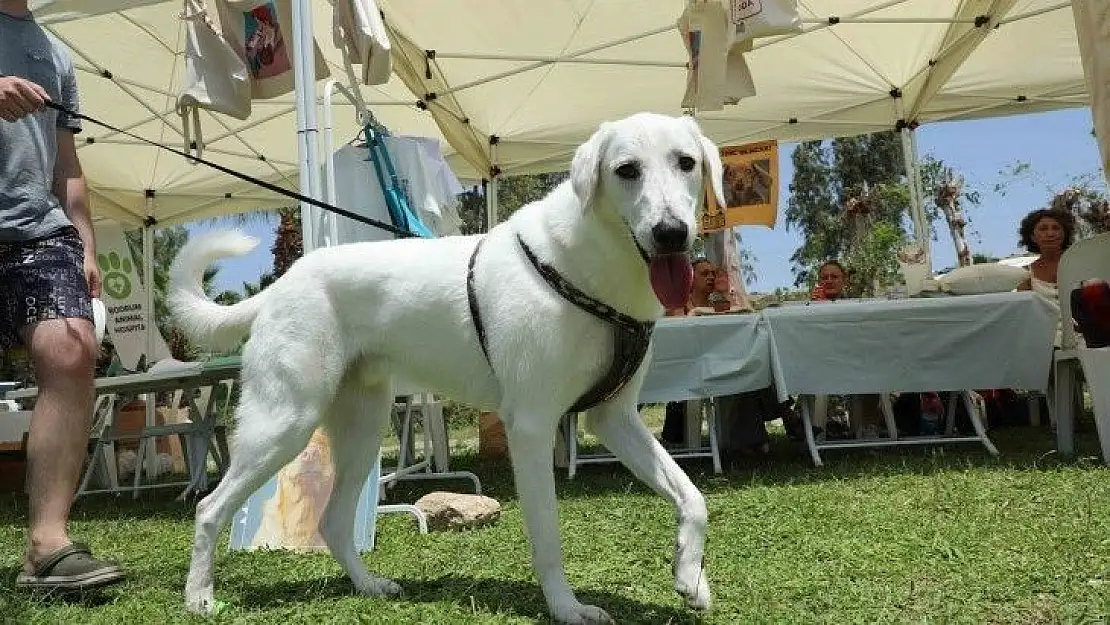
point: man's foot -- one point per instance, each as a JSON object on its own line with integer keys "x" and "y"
{"x": 71, "y": 568}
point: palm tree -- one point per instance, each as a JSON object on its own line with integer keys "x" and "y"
{"x": 288, "y": 242}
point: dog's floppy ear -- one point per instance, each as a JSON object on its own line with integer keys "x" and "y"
{"x": 585, "y": 167}
{"x": 711, "y": 162}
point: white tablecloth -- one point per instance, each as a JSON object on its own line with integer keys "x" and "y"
{"x": 700, "y": 357}
{"x": 996, "y": 340}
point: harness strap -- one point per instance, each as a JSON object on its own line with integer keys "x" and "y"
{"x": 472, "y": 298}
{"x": 631, "y": 337}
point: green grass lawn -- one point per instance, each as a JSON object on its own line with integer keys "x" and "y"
{"x": 937, "y": 535}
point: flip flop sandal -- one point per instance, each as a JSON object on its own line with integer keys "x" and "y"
{"x": 71, "y": 568}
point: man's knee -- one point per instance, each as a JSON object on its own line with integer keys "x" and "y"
{"x": 62, "y": 347}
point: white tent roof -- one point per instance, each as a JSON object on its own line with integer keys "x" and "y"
{"x": 493, "y": 75}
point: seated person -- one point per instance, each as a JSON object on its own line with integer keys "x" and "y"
{"x": 740, "y": 417}
{"x": 831, "y": 279}
{"x": 705, "y": 274}
{"x": 1048, "y": 233}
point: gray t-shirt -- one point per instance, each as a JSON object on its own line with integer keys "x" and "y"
{"x": 29, "y": 147}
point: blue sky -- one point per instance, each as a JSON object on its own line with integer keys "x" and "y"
{"x": 1057, "y": 145}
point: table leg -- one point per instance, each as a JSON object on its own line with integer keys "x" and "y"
{"x": 807, "y": 402}
{"x": 977, "y": 423}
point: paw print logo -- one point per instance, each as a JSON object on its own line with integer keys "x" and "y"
{"x": 117, "y": 281}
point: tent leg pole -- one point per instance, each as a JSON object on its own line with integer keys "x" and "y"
{"x": 913, "y": 179}
{"x": 491, "y": 204}
{"x": 304, "y": 85}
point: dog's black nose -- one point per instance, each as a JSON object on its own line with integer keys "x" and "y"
{"x": 670, "y": 236}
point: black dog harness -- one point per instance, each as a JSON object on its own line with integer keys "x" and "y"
{"x": 631, "y": 337}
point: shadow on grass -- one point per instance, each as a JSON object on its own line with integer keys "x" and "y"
{"x": 474, "y": 595}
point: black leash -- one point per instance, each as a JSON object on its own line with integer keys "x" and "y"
{"x": 248, "y": 178}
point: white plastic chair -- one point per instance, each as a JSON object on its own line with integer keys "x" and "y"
{"x": 1084, "y": 260}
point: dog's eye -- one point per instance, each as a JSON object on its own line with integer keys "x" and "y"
{"x": 628, "y": 171}
{"x": 686, "y": 163}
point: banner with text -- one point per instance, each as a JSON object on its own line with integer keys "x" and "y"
{"x": 124, "y": 296}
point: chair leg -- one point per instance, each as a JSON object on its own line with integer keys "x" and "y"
{"x": 1064, "y": 407}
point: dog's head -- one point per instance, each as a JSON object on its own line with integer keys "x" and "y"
{"x": 651, "y": 169}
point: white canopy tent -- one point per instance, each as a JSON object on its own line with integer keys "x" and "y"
{"x": 513, "y": 86}
{"x": 517, "y": 84}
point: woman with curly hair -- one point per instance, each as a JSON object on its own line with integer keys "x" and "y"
{"x": 1046, "y": 232}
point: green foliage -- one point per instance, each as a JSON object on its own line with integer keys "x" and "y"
{"x": 513, "y": 192}
{"x": 168, "y": 241}
{"x": 1084, "y": 195}
{"x": 869, "y": 172}
{"x": 828, "y": 176}
{"x": 873, "y": 261}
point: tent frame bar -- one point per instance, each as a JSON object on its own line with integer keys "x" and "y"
{"x": 1029, "y": 14}
{"x": 493, "y": 56}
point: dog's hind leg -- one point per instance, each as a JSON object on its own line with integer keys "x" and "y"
{"x": 531, "y": 438}
{"x": 273, "y": 428}
{"x": 354, "y": 423}
{"x": 621, "y": 430}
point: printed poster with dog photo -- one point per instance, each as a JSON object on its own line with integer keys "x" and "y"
{"x": 261, "y": 34}
{"x": 751, "y": 188}
{"x": 285, "y": 513}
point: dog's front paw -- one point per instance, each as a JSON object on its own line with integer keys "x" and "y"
{"x": 580, "y": 614}
{"x": 379, "y": 587}
{"x": 202, "y": 602}
{"x": 695, "y": 589}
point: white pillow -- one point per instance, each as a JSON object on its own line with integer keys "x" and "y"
{"x": 985, "y": 278}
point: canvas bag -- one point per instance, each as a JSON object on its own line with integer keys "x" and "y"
{"x": 261, "y": 33}
{"x": 359, "y": 32}
{"x": 215, "y": 79}
{"x": 763, "y": 18}
{"x": 716, "y": 73}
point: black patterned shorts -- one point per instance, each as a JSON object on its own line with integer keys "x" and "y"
{"x": 42, "y": 279}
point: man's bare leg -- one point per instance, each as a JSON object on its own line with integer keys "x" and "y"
{"x": 64, "y": 355}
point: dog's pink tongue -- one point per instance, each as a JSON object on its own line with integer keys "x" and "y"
{"x": 671, "y": 279}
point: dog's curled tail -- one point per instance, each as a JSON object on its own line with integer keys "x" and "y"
{"x": 205, "y": 322}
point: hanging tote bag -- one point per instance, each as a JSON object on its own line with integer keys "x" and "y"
{"x": 215, "y": 77}
{"x": 360, "y": 33}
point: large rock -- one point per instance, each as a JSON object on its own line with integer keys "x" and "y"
{"x": 458, "y": 510}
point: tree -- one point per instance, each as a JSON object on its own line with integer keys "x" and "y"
{"x": 513, "y": 192}
{"x": 167, "y": 242}
{"x": 1084, "y": 195}
{"x": 848, "y": 197}
{"x": 747, "y": 259}
{"x": 948, "y": 193}
{"x": 288, "y": 240}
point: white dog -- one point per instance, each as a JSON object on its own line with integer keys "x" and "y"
{"x": 328, "y": 337}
